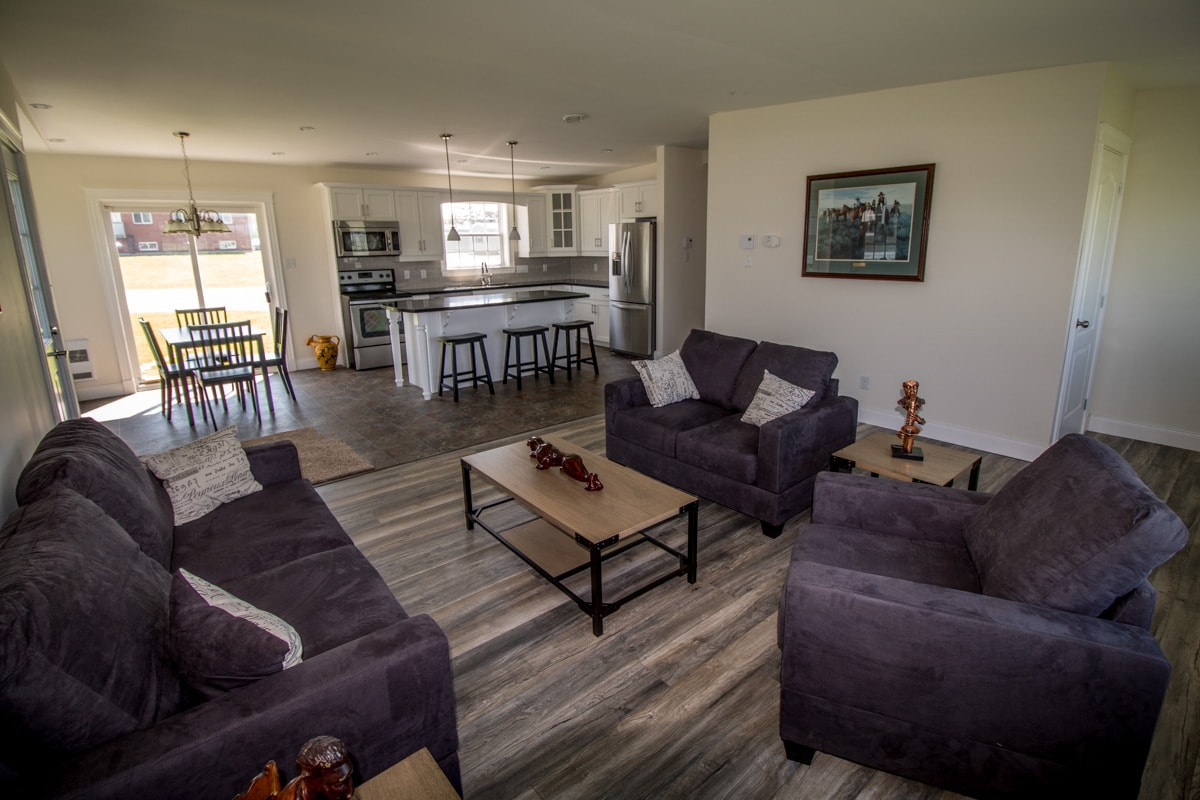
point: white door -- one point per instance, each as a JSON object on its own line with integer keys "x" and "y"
{"x": 1091, "y": 280}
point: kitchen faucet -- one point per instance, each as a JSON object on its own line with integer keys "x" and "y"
{"x": 486, "y": 279}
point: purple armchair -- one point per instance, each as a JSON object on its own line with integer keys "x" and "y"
{"x": 996, "y": 645}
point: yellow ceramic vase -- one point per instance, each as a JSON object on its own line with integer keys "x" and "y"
{"x": 325, "y": 348}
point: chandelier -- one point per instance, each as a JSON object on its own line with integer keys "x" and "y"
{"x": 191, "y": 220}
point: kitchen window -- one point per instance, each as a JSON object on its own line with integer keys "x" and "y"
{"x": 484, "y": 230}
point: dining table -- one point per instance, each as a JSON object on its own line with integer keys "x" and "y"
{"x": 180, "y": 340}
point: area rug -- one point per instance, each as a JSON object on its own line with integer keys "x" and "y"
{"x": 322, "y": 459}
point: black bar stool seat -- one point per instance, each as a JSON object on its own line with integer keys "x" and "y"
{"x": 515, "y": 369}
{"x": 471, "y": 376}
{"x": 575, "y": 359}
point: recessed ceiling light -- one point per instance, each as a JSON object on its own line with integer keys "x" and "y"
{"x": 279, "y": 153}
{"x": 543, "y": 168}
{"x": 307, "y": 128}
{"x": 462, "y": 161}
{"x": 572, "y": 118}
{"x": 606, "y": 150}
{"x": 56, "y": 141}
{"x": 40, "y": 106}
{"x": 371, "y": 154}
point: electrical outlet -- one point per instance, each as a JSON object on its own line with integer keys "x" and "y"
{"x": 864, "y": 383}
{"x": 407, "y": 274}
{"x": 545, "y": 267}
{"x": 423, "y": 274}
{"x": 595, "y": 267}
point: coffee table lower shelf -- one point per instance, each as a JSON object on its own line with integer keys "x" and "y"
{"x": 556, "y": 556}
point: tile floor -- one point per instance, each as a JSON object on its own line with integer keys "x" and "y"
{"x": 384, "y": 423}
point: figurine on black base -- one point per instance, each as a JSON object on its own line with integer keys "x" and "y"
{"x": 909, "y": 430}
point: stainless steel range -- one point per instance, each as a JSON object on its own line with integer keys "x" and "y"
{"x": 363, "y": 295}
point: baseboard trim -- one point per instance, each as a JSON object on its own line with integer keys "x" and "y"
{"x": 1187, "y": 440}
{"x": 100, "y": 391}
{"x": 960, "y": 436}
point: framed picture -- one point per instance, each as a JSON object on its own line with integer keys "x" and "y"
{"x": 869, "y": 224}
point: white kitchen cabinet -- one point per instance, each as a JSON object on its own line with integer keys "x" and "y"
{"x": 594, "y": 309}
{"x": 561, "y": 216}
{"x": 420, "y": 217}
{"x": 539, "y": 242}
{"x": 362, "y": 203}
{"x": 638, "y": 199}
{"x": 597, "y": 208}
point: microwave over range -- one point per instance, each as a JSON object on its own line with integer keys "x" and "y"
{"x": 356, "y": 238}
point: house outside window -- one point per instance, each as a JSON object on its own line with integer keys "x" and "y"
{"x": 484, "y": 230}
{"x": 148, "y": 247}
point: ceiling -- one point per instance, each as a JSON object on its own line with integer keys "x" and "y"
{"x": 375, "y": 82}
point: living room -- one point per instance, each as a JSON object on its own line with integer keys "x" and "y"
{"x": 985, "y": 330}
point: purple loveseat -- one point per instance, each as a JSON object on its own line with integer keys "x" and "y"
{"x": 998, "y": 646}
{"x": 93, "y": 702}
{"x": 703, "y": 447}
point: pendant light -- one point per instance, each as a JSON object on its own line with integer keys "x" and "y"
{"x": 191, "y": 220}
{"x": 452, "y": 236}
{"x": 514, "y": 235}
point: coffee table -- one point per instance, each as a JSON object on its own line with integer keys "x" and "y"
{"x": 576, "y": 530}
{"x": 942, "y": 465}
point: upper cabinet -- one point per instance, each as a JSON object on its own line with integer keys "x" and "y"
{"x": 351, "y": 203}
{"x": 420, "y": 217}
{"x": 597, "y": 208}
{"x": 638, "y": 199}
{"x": 538, "y": 243}
{"x": 561, "y": 220}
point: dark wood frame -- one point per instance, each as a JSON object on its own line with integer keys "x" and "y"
{"x": 860, "y": 264}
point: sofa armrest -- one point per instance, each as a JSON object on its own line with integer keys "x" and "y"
{"x": 386, "y": 694}
{"x": 624, "y": 393}
{"x": 1026, "y": 678}
{"x": 274, "y": 462}
{"x": 882, "y": 505}
{"x": 797, "y": 445}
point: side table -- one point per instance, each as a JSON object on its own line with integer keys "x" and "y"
{"x": 417, "y": 776}
{"x": 941, "y": 467}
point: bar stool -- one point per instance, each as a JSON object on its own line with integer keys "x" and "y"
{"x": 577, "y": 359}
{"x": 470, "y": 340}
{"x": 517, "y": 334}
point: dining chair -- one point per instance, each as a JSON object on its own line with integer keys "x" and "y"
{"x": 223, "y": 355}
{"x": 171, "y": 376}
{"x": 186, "y": 317}
{"x": 278, "y": 356}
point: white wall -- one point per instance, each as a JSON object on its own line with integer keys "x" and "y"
{"x": 984, "y": 333}
{"x": 682, "y": 185}
{"x": 1147, "y": 380}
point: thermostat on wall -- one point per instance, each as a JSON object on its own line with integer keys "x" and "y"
{"x": 747, "y": 241}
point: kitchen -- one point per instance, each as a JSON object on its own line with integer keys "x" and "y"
{"x": 384, "y": 240}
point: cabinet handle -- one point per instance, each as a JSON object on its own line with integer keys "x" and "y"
{"x": 366, "y": 210}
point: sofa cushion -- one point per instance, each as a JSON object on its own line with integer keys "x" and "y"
{"x": 83, "y": 627}
{"x": 1074, "y": 530}
{"x": 666, "y": 380}
{"x": 203, "y": 474}
{"x": 330, "y": 598}
{"x": 774, "y": 398}
{"x": 811, "y": 369}
{"x": 219, "y": 641}
{"x": 92, "y": 460}
{"x": 657, "y": 428}
{"x": 714, "y": 361}
{"x": 283, "y": 522}
{"x": 727, "y": 447}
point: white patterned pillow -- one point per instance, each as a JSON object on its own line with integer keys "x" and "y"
{"x": 201, "y": 475}
{"x": 666, "y": 380}
{"x": 219, "y": 641}
{"x": 774, "y": 398}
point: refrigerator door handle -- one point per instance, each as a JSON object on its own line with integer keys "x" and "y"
{"x": 626, "y": 238}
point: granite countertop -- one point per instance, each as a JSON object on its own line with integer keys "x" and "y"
{"x": 447, "y": 301}
{"x": 475, "y": 287}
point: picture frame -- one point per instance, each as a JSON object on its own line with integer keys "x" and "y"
{"x": 870, "y": 224}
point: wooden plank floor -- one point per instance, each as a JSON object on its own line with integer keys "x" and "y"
{"x": 680, "y": 697}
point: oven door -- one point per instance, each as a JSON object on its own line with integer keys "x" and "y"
{"x": 369, "y": 333}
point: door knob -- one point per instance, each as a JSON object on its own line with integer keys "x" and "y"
{"x": 1082, "y": 323}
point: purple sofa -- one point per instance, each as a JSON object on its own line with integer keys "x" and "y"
{"x": 998, "y": 646}
{"x": 703, "y": 447}
{"x": 93, "y": 697}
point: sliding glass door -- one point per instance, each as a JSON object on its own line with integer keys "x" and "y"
{"x": 160, "y": 273}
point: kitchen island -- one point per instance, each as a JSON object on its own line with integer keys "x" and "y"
{"x": 488, "y": 312}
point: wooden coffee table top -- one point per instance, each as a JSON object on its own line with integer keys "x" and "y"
{"x": 629, "y": 503}
{"x": 417, "y": 776}
{"x": 941, "y": 465}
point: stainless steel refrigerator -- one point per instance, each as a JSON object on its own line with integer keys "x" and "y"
{"x": 632, "y": 246}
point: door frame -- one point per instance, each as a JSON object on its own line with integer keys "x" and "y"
{"x": 114, "y": 289}
{"x": 1107, "y": 138}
